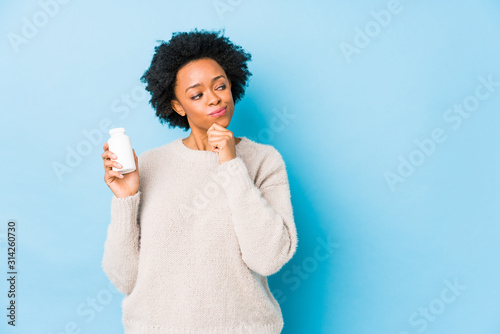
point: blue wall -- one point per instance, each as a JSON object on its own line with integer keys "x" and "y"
{"x": 390, "y": 131}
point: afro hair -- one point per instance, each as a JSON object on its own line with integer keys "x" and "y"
{"x": 183, "y": 48}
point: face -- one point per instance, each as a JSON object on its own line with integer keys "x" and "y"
{"x": 202, "y": 87}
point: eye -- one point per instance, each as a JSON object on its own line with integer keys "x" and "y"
{"x": 223, "y": 86}
{"x": 196, "y": 97}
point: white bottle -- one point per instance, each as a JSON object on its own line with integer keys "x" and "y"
{"x": 120, "y": 144}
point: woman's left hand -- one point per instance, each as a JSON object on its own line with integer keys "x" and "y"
{"x": 222, "y": 141}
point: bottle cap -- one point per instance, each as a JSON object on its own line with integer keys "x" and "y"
{"x": 116, "y": 130}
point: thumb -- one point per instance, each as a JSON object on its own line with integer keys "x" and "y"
{"x": 136, "y": 160}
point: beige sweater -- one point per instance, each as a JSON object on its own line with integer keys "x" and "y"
{"x": 192, "y": 249}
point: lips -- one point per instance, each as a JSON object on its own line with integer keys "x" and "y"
{"x": 218, "y": 112}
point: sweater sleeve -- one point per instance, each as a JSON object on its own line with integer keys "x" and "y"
{"x": 121, "y": 249}
{"x": 262, "y": 217}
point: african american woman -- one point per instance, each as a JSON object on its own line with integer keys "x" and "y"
{"x": 199, "y": 225}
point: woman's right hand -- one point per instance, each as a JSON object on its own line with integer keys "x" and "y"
{"x": 121, "y": 185}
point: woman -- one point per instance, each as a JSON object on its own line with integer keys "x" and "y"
{"x": 202, "y": 222}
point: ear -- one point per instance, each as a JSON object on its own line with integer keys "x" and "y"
{"x": 177, "y": 107}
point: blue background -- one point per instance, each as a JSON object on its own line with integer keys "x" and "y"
{"x": 352, "y": 118}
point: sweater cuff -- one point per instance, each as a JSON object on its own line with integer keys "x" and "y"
{"x": 125, "y": 208}
{"x": 234, "y": 177}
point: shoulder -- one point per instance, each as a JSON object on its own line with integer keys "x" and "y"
{"x": 262, "y": 154}
{"x": 263, "y": 161}
{"x": 153, "y": 156}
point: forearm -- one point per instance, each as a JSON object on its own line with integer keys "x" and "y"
{"x": 121, "y": 249}
{"x": 263, "y": 218}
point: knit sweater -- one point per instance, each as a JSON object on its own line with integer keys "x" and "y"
{"x": 192, "y": 248}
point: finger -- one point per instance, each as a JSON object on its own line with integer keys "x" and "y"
{"x": 105, "y": 148}
{"x": 136, "y": 162}
{"x": 217, "y": 139}
{"x": 111, "y": 175}
{"x": 107, "y": 151}
{"x": 118, "y": 174}
{"x": 218, "y": 132}
{"x": 108, "y": 165}
{"x": 217, "y": 145}
{"x": 217, "y": 126}
{"x": 219, "y": 135}
{"x": 111, "y": 163}
{"x": 108, "y": 155}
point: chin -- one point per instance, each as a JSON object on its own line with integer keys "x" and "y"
{"x": 223, "y": 121}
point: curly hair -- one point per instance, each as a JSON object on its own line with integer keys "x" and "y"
{"x": 184, "y": 47}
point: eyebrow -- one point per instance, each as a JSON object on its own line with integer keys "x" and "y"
{"x": 196, "y": 85}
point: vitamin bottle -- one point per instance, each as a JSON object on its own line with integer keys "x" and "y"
{"x": 120, "y": 144}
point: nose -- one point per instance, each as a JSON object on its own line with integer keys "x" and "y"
{"x": 213, "y": 98}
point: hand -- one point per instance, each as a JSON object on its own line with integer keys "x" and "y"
{"x": 222, "y": 141}
{"x": 121, "y": 185}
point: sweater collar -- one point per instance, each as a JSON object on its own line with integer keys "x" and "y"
{"x": 201, "y": 155}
